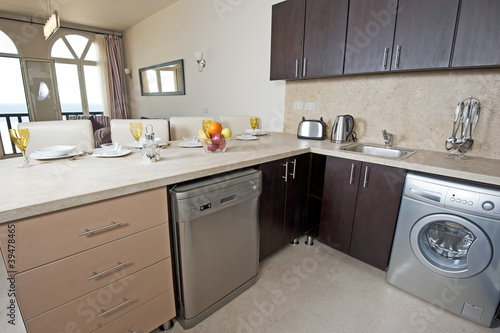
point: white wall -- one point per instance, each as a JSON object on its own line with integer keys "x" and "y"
{"x": 235, "y": 37}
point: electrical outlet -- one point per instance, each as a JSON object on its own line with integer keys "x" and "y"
{"x": 311, "y": 106}
{"x": 205, "y": 110}
{"x": 298, "y": 105}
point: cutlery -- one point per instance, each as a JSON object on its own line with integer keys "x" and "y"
{"x": 474, "y": 117}
{"x": 450, "y": 142}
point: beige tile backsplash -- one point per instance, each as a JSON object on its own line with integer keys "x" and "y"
{"x": 417, "y": 107}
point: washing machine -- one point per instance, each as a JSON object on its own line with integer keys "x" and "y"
{"x": 446, "y": 247}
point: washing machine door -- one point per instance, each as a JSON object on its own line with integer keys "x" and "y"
{"x": 450, "y": 245}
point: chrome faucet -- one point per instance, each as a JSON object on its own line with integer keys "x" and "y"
{"x": 387, "y": 138}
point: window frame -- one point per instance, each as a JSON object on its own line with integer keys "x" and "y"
{"x": 80, "y": 64}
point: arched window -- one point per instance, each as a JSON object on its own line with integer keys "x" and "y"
{"x": 13, "y": 106}
{"x": 77, "y": 76}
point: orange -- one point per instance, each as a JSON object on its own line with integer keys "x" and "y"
{"x": 214, "y": 127}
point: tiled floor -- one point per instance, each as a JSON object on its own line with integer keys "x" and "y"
{"x": 317, "y": 289}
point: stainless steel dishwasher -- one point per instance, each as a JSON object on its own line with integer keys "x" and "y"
{"x": 216, "y": 241}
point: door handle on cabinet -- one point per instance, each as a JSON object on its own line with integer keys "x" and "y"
{"x": 365, "y": 182}
{"x": 353, "y": 170}
{"x": 296, "y": 67}
{"x": 94, "y": 274}
{"x": 286, "y": 171}
{"x": 304, "y": 68}
{"x": 386, "y": 55}
{"x": 88, "y": 232}
{"x": 398, "y": 55}
{"x": 294, "y": 165}
{"x": 125, "y": 301}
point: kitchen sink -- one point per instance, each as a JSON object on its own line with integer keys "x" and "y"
{"x": 382, "y": 151}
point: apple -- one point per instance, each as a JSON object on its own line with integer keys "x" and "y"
{"x": 226, "y": 133}
{"x": 212, "y": 146}
{"x": 216, "y": 138}
{"x": 222, "y": 145}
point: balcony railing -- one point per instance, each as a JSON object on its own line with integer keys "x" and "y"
{"x": 10, "y": 120}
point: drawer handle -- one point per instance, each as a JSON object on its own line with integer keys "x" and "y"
{"x": 88, "y": 232}
{"x": 94, "y": 274}
{"x": 294, "y": 165}
{"x": 129, "y": 331}
{"x": 125, "y": 301}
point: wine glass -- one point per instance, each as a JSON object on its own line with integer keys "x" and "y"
{"x": 136, "y": 130}
{"x": 253, "y": 123}
{"x": 20, "y": 137}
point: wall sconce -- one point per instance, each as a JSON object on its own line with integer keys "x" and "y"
{"x": 198, "y": 56}
{"x": 128, "y": 72}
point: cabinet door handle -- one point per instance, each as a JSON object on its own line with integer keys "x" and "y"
{"x": 365, "y": 182}
{"x": 304, "y": 69}
{"x": 353, "y": 170}
{"x": 398, "y": 55}
{"x": 294, "y": 165}
{"x": 296, "y": 67}
{"x": 286, "y": 171}
{"x": 125, "y": 301}
{"x": 94, "y": 274}
{"x": 386, "y": 55}
{"x": 88, "y": 232}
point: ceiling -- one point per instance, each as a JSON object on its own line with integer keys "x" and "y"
{"x": 109, "y": 15}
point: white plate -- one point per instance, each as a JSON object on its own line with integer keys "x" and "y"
{"x": 41, "y": 156}
{"x": 55, "y": 151}
{"x": 257, "y": 132}
{"x": 189, "y": 144}
{"x": 100, "y": 153}
{"x": 249, "y": 137}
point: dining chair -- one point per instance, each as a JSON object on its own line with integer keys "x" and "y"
{"x": 77, "y": 133}
{"x": 186, "y": 126}
{"x": 120, "y": 129}
{"x": 236, "y": 124}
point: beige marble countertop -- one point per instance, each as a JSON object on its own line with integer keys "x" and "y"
{"x": 57, "y": 184}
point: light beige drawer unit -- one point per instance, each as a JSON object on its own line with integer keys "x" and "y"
{"x": 101, "y": 264}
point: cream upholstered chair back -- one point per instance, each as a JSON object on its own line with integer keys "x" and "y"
{"x": 236, "y": 124}
{"x": 120, "y": 129}
{"x": 77, "y": 133}
{"x": 186, "y": 126}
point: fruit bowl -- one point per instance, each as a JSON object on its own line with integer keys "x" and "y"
{"x": 215, "y": 147}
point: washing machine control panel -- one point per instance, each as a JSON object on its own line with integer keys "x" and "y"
{"x": 463, "y": 200}
{"x": 473, "y": 202}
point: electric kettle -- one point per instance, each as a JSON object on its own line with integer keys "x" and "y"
{"x": 342, "y": 128}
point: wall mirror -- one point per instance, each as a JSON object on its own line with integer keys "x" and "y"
{"x": 163, "y": 79}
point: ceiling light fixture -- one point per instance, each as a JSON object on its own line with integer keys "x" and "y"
{"x": 52, "y": 23}
{"x": 198, "y": 56}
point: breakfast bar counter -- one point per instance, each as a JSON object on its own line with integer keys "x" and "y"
{"x": 54, "y": 185}
{"x": 63, "y": 183}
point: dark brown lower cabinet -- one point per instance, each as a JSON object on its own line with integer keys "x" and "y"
{"x": 283, "y": 202}
{"x": 360, "y": 206}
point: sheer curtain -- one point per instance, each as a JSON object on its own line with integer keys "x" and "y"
{"x": 112, "y": 75}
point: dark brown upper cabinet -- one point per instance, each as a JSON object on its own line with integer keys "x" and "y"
{"x": 307, "y": 38}
{"x": 370, "y": 35}
{"x": 477, "y": 42}
{"x": 287, "y": 37}
{"x": 424, "y": 34}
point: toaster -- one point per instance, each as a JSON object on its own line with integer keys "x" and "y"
{"x": 312, "y": 129}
